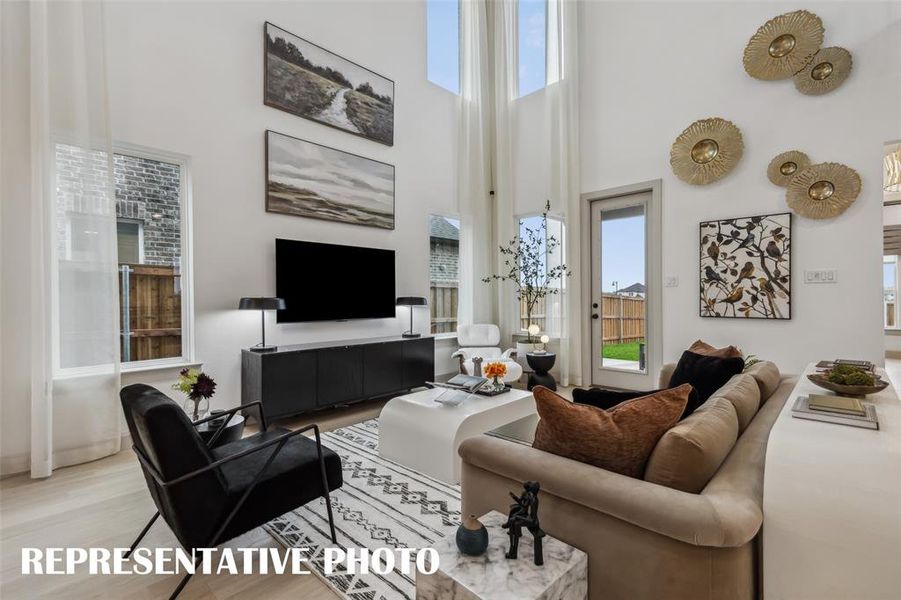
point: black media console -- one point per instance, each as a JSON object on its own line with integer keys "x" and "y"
{"x": 295, "y": 379}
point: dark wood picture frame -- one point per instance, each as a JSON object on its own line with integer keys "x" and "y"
{"x": 733, "y": 270}
{"x": 378, "y": 127}
{"x": 387, "y": 222}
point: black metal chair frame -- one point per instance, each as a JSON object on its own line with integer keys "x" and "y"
{"x": 279, "y": 442}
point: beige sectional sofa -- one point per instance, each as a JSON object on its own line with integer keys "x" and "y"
{"x": 654, "y": 540}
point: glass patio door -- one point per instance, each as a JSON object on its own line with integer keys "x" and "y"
{"x": 620, "y": 289}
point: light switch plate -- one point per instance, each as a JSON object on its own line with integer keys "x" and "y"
{"x": 821, "y": 276}
{"x": 671, "y": 281}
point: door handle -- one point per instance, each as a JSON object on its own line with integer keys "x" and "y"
{"x": 594, "y": 316}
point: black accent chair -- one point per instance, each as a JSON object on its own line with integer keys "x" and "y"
{"x": 210, "y": 495}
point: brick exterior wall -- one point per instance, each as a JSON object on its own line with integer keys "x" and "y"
{"x": 147, "y": 191}
{"x": 444, "y": 258}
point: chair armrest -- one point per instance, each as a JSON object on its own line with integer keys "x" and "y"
{"x": 699, "y": 519}
{"x": 458, "y": 353}
{"x": 280, "y": 440}
{"x": 509, "y": 353}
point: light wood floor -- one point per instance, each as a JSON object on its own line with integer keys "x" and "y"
{"x": 105, "y": 504}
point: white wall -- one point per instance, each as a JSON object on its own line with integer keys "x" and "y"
{"x": 649, "y": 70}
{"x": 188, "y": 78}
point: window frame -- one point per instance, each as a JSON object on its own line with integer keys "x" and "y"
{"x": 183, "y": 161}
{"x": 886, "y": 260}
{"x": 459, "y": 91}
{"x": 448, "y": 335}
{"x": 517, "y": 224}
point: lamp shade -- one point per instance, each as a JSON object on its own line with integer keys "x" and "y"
{"x": 412, "y": 301}
{"x": 261, "y": 303}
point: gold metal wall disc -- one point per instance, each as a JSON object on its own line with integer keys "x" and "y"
{"x": 785, "y": 166}
{"x": 783, "y": 45}
{"x": 826, "y": 71}
{"x": 823, "y": 191}
{"x": 706, "y": 151}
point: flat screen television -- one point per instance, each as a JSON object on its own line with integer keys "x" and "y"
{"x": 330, "y": 282}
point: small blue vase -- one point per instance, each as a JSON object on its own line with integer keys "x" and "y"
{"x": 472, "y": 537}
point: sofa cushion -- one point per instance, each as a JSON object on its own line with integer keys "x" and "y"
{"x": 619, "y": 439}
{"x": 704, "y": 349}
{"x": 689, "y": 454}
{"x": 767, "y": 376}
{"x": 706, "y": 374}
{"x": 743, "y": 393}
{"x": 607, "y": 399}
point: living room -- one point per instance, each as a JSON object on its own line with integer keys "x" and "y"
{"x": 325, "y": 211}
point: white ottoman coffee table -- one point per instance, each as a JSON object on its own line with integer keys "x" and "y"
{"x": 424, "y": 435}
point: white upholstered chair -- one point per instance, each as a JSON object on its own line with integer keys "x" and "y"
{"x": 479, "y": 345}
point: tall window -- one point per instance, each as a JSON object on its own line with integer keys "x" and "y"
{"x": 444, "y": 265}
{"x": 532, "y": 46}
{"x": 443, "y": 43}
{"x": 546, "y": 312}
{"x": 890, "y": 291}
{"x": 150, "y": 236}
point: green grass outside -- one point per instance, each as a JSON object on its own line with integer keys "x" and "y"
{"x": 626, "y": 351}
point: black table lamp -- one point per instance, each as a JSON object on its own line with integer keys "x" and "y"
{"x": 411, "y": 301}
{"x": 262, "y": 304}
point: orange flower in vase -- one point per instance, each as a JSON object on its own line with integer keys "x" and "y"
{"x": 494, "y": 371}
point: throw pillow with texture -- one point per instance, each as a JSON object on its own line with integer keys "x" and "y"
{"x": 620, "y": 439}
{"x": 706, "y": 374}
{"x": 704, "y": 349}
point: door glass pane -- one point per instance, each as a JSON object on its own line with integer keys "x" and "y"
{"x": 623, "y": 284}
{"x": 889, "y": 291}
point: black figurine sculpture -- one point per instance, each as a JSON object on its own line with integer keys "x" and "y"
{"x": 524, "y": 513}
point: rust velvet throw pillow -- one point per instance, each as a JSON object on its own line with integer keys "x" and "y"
{"x": 620, "y": 439}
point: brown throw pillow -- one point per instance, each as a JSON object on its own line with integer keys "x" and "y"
{"x": 619, "y": 439}
{"x": 704, "y": 349}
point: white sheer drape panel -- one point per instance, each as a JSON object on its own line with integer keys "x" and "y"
{"x": 473, "y": 166}
{"x": 563, "y": 116}
{"x": 75, "y": 368}
{"x": 503, "y": 39}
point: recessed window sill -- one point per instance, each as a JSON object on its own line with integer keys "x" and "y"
{"x": 893, "y": 331}
{"x": 145, "y": 367}
{"x": 445, "y": 336}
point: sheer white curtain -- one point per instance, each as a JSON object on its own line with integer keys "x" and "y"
{"x": 473, "y": 166}
{"x": 75, "y": 415}
{"x": 503, "y": 39}
{"x": 563, "y": 114}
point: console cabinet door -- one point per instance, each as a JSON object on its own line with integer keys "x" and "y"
{"x": 340, "y": 375}
{"x": 419, "y": 362}
{"x": 288, "y": 382}
{"x": 383, "y": 368}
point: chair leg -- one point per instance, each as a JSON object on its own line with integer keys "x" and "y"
{"x": 331, "y": 519}
{"x": 183, "y": 582}
{"x": 142, "y": 534}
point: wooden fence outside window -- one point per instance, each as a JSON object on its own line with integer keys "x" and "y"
{"x": 150, "y": 297}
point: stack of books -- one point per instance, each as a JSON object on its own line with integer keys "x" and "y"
{"x": 836, "y": 409}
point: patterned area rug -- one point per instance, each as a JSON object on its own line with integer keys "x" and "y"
{"x": 380, "y": 504}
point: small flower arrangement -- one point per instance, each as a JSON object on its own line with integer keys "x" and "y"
{"x": 199, "y": 387}
{"x": 495, "y": 371}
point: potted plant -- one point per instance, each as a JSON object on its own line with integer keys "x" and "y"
{"x": 525, "y": 267}
{"x": 199, "y": 387}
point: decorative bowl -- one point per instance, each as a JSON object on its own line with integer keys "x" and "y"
{"x": 848, "y": 390}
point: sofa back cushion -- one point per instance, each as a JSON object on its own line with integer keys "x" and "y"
{"x": 607, "y": 399}
{"x": 620, "y": 439}
{"x": 689, "y": 454}
{"x": 767, "y": 376}
{"x": 706, "y": 374}
{"x": 744, "y": 394}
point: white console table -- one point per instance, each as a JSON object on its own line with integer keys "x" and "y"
{"x": 832, "y": 505}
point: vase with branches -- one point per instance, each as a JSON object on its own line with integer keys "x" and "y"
{"x": 525, "y": 266}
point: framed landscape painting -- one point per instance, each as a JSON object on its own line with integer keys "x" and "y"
{"x": 311, "y": 180}
{"x": 746, "y": 267}
{"x": 309, "y": 81}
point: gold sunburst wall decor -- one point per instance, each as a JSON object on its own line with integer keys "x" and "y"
{"x": 826, "y": 71}
{"x": 823, "y": 190}
{"x": 706, "y": 151}
{"x": 783, "y": 45}
{"x": 785, "y": 166}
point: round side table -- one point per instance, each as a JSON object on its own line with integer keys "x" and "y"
{"x": 233, "y": 431}
{"x": 541, "y": 364}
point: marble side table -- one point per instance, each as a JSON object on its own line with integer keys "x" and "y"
{"x": 492, "y": 576}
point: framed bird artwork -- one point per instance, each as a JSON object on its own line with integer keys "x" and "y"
{"x": 746, "y": 267}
